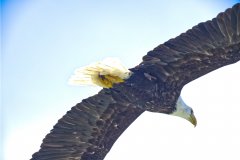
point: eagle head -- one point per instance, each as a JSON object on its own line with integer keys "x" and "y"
{"x": 184, "y": 111}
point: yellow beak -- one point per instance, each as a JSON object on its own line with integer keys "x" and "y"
{"x": 193, "y": 120}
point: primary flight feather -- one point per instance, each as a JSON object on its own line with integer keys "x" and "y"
{"x": 89, "y": 129}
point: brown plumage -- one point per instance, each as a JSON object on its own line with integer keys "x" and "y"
{"x": 90, "y": 128}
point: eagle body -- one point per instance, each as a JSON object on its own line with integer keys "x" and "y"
{"x": 90, "y": 128}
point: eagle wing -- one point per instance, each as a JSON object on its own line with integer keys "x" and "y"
{"x": 89, "y": 129}
{"x": 202, "y": 49}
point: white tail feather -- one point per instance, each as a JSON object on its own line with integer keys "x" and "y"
{"x": 88, "y": 75}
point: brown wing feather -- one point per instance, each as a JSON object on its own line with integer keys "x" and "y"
{"x": 89, "y": 129}
{"x": 202, "y": 49}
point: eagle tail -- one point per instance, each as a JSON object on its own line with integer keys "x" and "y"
{"x": 104, "y": 73}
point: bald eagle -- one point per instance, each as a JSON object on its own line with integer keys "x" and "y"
{"x": 89, "y": 129}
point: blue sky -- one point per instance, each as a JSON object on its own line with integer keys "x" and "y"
{"x": 44, "y": 41}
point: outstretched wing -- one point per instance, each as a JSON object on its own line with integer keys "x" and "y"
{"x": 89, "y": 129}
{"x": 204, "y": 48}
